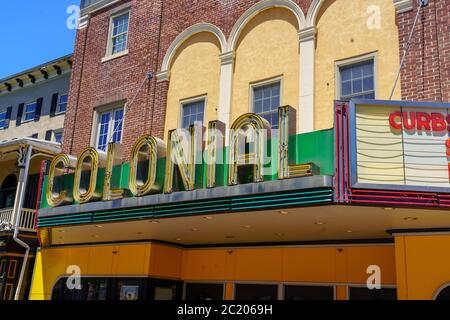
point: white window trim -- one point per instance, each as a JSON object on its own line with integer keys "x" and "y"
{"x": 59, "y": 102}
{"x": 183, "y": 102}
{"x": 354, "y": 60}
{"x": 256, "y": 85}
{"x": 55, "y": 132}
{"x": 24, "y": 113}
{"x": 109, "y": 55}
{"x": 95, "y": 132}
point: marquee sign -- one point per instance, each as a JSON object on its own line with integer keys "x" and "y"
{"x": 184, "y": 164}
{"x": 399, "y": 145}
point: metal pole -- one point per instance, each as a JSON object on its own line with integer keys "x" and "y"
{"x": 23, "y": 178}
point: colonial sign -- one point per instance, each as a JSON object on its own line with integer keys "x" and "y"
{"x": 400, "y": 145}
{"x": 184, "y": 164}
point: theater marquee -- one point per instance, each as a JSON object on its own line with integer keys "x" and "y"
{"x": 399, "y": 145}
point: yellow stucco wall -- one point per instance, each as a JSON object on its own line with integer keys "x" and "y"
{"x": 343, "y": 33}
{"x": 267, "y": 48}
{"x": 195, "y": 71}
{"x": 423, "y": 265}
{"x": 330, "y": 265}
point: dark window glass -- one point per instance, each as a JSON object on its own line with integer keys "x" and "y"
{"x": 96, "y": 289}
{"x": 192, "y": 113}
{"x": 266, "y": 101}
{"x": 357, "y": 81}
{"x": 256, "y": 292}
{"x": 204, "y": 291}
{"x": 308, "y": 293}
{"x": 366, "y": 294}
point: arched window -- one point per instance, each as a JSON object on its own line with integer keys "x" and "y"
{"x": 8, "y": 191}
{"x": 444, "y": 294}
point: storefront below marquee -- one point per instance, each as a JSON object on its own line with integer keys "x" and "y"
{"x": 155, "y": 271}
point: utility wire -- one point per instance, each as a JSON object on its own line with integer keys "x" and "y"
{"x": 148, "y": 76}
{"x": 408, "y": 45}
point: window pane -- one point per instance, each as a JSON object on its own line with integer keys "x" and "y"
{"x": 103, "y": 131}
{"x": 366, "y": 294}
{"x": 357, "y": 86}
{"x": 30, "y": 110}
{"x": 308, "y": 293}
{"x": 62, "y": 105}
{"x": 120, "y": 33}
{"x": 368, "y": 84}
{"x": 192, "y": 113}
{"x": 118, "y": 124}
{"x": 357, "y": 81}
{"x": 266, "y": 102}
{"x": 2, "y": 119}
{"x": 256, "y": 292}
{"x": 346, "y": 74}
{"x": 58, "y": 136}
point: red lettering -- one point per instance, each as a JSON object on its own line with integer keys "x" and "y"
{"x": 438, "y": 122}
{"x": 392, "y": 120}
{"x": 423, "y": 121}
{"x": 411, "y": 124}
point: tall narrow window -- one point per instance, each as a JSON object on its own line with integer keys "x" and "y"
{"x": 110, "y": 124}
{"x": 357, "y": 81}
{"x": 2, "y": 119}
{"x": 266, "y": 101}
{"x": 30, "y": 110}
{"x": 119, "y": 33}
{"x": 192, "y": 113}
{"x": 62, "y": 104}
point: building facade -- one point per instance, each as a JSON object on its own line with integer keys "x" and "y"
{"x": 337, "y": 179}
{"x": 32, "y": 109}
{"x": 33, "y": 103}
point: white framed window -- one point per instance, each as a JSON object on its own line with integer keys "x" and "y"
{"x": 118, "y": 34}
{"x": 192, "y": 111}
{"x": 29, "y": 111}
{"x": 356, "y": 78}
{"x": 109, "y": 127}
{"x": 3, "y": 120}
{"x": 58, "y": 135}
{"x": 266, "y": 99}
{"x": 62, "y": 104}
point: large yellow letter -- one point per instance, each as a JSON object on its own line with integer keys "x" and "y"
{"x": 186, "y": 161}
{"x": 83, "y": 195}
{"x": 60, "y": 163}
{"x": 260, "y": 129}
{"x": 146, "y": 149}
{"x": 287, "y": 124}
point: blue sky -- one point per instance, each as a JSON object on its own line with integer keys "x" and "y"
{"x": 33, "y": 32}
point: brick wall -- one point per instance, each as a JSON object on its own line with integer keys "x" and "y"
{"x": 425, "y": 76}
{"x": 95, "y": 83}
{"x": 426, "y": 73}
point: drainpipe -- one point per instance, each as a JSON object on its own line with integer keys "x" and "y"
{"x": 20, "y": 196}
